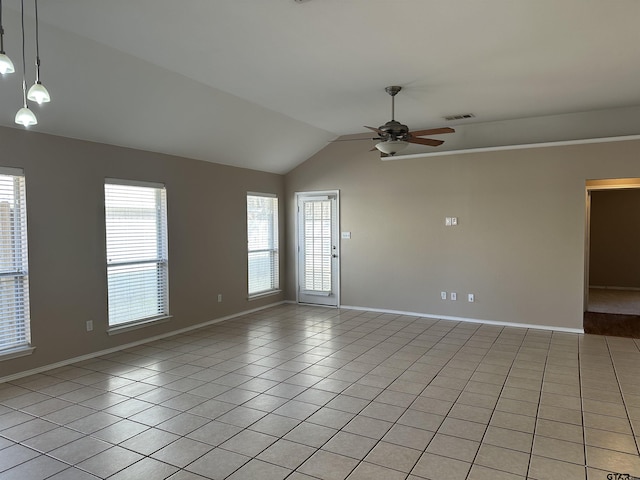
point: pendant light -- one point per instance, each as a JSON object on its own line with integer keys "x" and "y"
{"x": 38, "y": 93}
{"x": 24, "y": 116}
{"x": 6, "y": 65}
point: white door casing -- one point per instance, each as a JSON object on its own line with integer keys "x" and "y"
{"x": 318, "y": 247}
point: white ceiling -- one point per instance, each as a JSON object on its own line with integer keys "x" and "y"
{"x": 264, "y": 84}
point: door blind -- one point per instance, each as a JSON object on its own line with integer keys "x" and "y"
{"x": 262, "y": 241}
{"x": 316, "y": 233}
{"x": 14, "y": 278}
{"x": 137, "y": 265}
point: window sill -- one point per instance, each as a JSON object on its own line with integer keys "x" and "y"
{"x": 258, "y": 296}
{"x": 127, "y": 327}
{"x": 16, "y": 352}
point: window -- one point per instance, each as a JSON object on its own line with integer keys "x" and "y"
{"x": 14, "y": 277}
{"x": 137, "y": 269}
{"x": 262, "y": 239}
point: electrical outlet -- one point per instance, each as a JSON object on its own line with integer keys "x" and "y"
{"x": 89, "y": 325}
{"x": 471, "y": 298}
{"x": 443, "y": 295}
{"x": 219, "y": 297}
{"x": 454, "y": 221}
{"x": 454, "y": 296}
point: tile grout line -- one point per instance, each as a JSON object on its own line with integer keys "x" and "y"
{"x": 624, "y": 401}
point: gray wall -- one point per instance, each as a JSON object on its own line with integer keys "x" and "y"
{"x": 65, "y": 214}
{"x": 614, "y": 253}
{"x": 519, "y": 246}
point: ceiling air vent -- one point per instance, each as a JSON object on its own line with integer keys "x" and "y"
{"x": 464, "y": 116}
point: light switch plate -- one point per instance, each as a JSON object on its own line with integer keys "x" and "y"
{"x": 346, "y": 235}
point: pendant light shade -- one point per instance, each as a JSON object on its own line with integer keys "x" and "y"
{"x": 26, "y": 117}
{"x": 38, "y": 93}
{"x": 6, "y": 65}
{"x": 391, "y": 147}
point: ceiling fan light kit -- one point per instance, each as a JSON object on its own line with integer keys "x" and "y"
{"x": 395, "y": 136}
{"x": 391, "y": 147}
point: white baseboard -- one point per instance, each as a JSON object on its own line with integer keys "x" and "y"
{"x": 468, "y": 320}
{"x": 601, "y": 287}
{"x": 89, "y": 356}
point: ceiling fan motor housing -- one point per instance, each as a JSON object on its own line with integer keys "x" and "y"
{"x": 395, "y": 130}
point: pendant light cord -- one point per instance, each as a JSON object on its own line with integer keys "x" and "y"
{"x": 24, "y": 61}
{"x": 37, "y": 46}
{"x": 1, "y": 30}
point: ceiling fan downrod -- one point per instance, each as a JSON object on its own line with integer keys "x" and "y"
{"x": 393, "y": 91}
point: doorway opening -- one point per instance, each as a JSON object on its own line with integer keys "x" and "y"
{"x": 612, "y": 262}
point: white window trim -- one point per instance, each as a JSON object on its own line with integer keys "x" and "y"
{"x": 262, "y": 194}
{"x": 147, "y": 321}
{"x": 136, "y": 324}
{"x": 277, "y": 290}
{"x": 16, "y": 172}
{"x": 134, "y": 183}
{"x": 268, "y": 293}
{"x": 20, "y": 350}
{"x": 17, "y": 352}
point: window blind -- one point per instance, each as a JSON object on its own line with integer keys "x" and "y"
{"x": 14, "y": 278}
{"x": 262, "y": 240}
{"x": 137, "y": 264}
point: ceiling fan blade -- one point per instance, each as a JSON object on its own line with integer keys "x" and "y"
{"x": 377, "y": 130}
{"x": 433, "y": 131}
{"x": 425, "y": 141}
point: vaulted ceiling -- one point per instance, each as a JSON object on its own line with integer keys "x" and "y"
{"x": 264, "y": 84}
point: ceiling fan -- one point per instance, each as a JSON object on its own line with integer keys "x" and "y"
{"x": 395, "y": 136}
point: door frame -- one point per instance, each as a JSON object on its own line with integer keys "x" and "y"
{"x": 593, "y": 185}
{"x": 314, "y": 193}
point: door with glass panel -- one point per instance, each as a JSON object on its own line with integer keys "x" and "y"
{"x": 318, "y": 248}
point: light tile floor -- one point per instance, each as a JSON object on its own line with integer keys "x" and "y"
{"x": 301, "y": 392}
